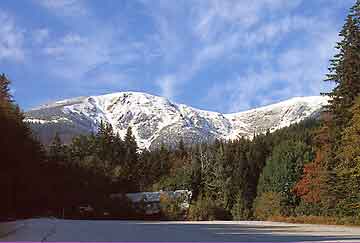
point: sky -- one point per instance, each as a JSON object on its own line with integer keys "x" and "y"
{"x": 219, "y": 55}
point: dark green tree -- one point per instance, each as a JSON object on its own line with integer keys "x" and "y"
{"x": 344, "y": 71}
{"x": 283, "y": 170}
{"x": 348, "y": 171}
{"x": 21, "y": 159}
{"x": 5, "y": 95}
{"x": 57, "y": 151}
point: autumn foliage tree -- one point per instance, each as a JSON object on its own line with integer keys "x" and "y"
{"x": 330, "y": 180}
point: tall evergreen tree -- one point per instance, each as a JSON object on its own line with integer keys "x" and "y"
{"x": 344, "y": 71}
{"x": 131, "y": 147}
{"x": 131, "y": 157}
{"x": 5, "y": 95}
{"x": 20, "y": 157}
{"x": 321, "y": 183}
{"x": 283, "y": 170}
{"x": 348, "y": 171}
{"x": 57, "y": 151}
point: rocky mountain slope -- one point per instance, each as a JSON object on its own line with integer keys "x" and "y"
{"x": 155, "y": 120}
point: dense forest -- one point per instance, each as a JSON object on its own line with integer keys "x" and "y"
{"x": 311, "y": 169}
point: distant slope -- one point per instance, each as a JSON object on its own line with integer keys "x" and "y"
{"x": 155, "y": 120}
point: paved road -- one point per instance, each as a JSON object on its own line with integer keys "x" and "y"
{"x": 67, "y": 230}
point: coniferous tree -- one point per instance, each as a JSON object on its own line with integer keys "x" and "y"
{"x": 131, "y": 159}
{"x": 57, "y": 151}
{"x": 321, "y": 184}
{"x": 348, "y": 171}
{"x": 283, "y": 170}
{"x": 345, "y": 73}
{"x": 131, "y": 147}
{"x": 5, "y": 95}
{"x": 20, "y": 158}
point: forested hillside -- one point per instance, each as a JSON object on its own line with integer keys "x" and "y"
{"x": 21, "y": 160}
{"x": 308, "y": 169}
{"x": 327, "y": 182}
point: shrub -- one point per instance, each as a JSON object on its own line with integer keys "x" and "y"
{"x": 306, "y": 209}
{"x": 120, "y": 207}
{"x": 206, "y": 209}
{"x": 267, "y": 205}
{"x": 239, "y": 210}
{"x": 171, "y": 208}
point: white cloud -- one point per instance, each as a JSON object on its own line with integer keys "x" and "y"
{"x": 295, "y": 71}
{"x": 81, "y": 59}
{"x": 220, "y": 29}
{"x": 214, "y": 17}
{"x": 167, "y": 84}
{"x": 169, "y": 40}
{"x": 257, "y": 31}
{"x": 65, "y": 7}
{"x": 73, "y": 39}
{"x": 41, "y": 35}
{"x": 67, "y": 45}
{"x": 269, "y": 48}
{"x": 75, "y": 56}
{"x": 12, "y": 39}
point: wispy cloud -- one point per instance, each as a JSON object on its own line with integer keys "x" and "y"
{"x": 278, "y": 71}
{"x": 66, "y": 47}
{"x": 11, "y": 41}
{"x": 65, "y": 7}
{"x": 80, "y": 56}
{"x": 226, "y": 55}
{"x": 214, "y": 15}
{"x": 167, "y": 84}
{"x": 217, "y": 30}
{"x": 295, "y": 71}
{"x": 40, "y": 35}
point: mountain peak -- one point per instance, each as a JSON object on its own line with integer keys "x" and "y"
{"x": 155, "y": 120}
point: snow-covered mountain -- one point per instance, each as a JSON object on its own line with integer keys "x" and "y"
{"x": 155, "y": 120}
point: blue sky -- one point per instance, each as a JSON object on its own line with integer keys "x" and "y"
{"x": 221, "y": 55}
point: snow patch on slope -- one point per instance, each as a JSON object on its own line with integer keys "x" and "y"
{"x": 155, "y": 119}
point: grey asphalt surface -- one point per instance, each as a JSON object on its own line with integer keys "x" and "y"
{"x": 215, "y": 231}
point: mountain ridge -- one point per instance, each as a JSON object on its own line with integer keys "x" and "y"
{"x": 156, "y": 120}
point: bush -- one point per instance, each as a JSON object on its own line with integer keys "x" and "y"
{"x": 347, "y": 207}
{"x": 239, "y": 210}
{"x": 119, "y": 207}
{"x": 171, "y": 208}
{"x": 308, "y": 209}
{"x": 180, "y": 178}
{"x": 206, "y": 209}
{"x": 268, "y": 205}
